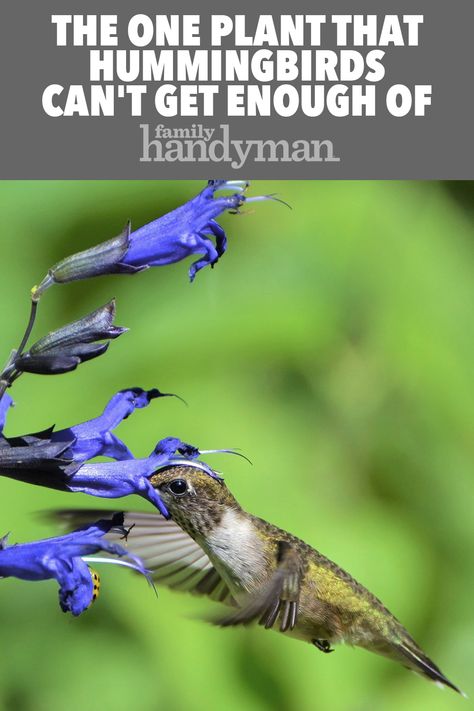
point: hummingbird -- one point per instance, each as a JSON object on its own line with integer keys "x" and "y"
{"x": 212, "y": 547}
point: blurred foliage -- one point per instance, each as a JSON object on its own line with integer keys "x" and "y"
{"x": 334, "y": 344}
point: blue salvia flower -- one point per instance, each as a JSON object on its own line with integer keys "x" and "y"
{"x": 64, "y": 559}
{"x": 112, "y": 480}
{"x": 189, "y": 230}
{"x": 95, "y": 437}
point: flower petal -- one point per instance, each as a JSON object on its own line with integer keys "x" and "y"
{"x": 5, "y": 403}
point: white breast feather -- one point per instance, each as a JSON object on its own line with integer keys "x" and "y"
{"x": 235, "y": 543}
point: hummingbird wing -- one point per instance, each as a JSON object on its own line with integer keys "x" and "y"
{"x": 279, "y": 597}
{"x": 173, "y": 558}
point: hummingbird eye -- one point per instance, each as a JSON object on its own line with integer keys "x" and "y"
{"x": 178, "y": 487}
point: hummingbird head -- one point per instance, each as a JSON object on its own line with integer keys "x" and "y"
{"x": 195, "y": 500}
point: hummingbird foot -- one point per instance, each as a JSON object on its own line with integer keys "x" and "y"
{"x": 323, "y": 645}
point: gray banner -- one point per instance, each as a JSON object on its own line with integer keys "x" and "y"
{"x": 436, "y": 145}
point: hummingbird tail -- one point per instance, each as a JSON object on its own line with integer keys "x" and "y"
{"x": 412, "y": 657}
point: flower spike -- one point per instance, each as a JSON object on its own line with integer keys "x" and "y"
{"x": 95, "y": 437}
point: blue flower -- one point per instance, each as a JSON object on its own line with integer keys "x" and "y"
{"x": 112, "y": 480}
{"x": 64, "y": 559}
{"x": 188, "y": 230}
{"x": 81, "y": 442}
{"x": 95, "y": 437}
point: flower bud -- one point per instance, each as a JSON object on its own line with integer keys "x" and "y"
{"x": 64, "y": 349}
{"x": 104, "y": 258}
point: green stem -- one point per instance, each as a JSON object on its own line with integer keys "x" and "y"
{"x": 29, "y": 328}
{"x": 9, "y": 374}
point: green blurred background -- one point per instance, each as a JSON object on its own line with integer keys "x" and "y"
{"x": 334, "y": 344}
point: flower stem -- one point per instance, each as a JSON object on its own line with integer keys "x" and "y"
{"x": 29, "y": 328}
{"x": 6, "y": 378}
